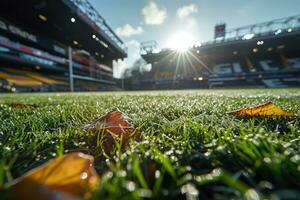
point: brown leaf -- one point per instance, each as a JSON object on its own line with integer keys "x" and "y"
{"x": 67, "y": 177}
{"x": 115, "y": 122}
{"x": 266, "y": 109}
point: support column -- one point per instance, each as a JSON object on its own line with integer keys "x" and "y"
{"x": 71, "y": 69}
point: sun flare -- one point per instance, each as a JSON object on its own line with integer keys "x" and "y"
{"x": 181, "y": 41}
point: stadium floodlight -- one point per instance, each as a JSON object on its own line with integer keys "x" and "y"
{"x": 260, "y": 42}
{"x": 75, "y": 42}
{"x": 103, "y": 44}
{"x": 278, "y": 31}
{"x": 42, "y": 17}
{"x": 73, "y": 20}
{"x": 248, "y": 36}
{"x": 94, "y": 36}
{"x": 290, "y": 30}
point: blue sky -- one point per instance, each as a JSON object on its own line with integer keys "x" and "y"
{"x": 136, "y": 21}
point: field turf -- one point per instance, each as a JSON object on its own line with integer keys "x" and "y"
{"x": 189, "y": 147}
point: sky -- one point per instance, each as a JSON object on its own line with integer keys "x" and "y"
{"x": 167, "y": 21}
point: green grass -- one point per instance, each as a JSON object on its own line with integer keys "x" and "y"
{"x": 189, "y": 147}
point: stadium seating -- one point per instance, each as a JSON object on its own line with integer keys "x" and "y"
{"x": 41, "y": 78}
{"x": 19, "y": 82}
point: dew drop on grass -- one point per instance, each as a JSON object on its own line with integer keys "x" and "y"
{"x": 130, "y": 186}
{"x": 188, "y": 168}
{"x": 287, "y": 152}
{"x": 122, "y": 173}
{"x": 295, "y": 158}
{"x": 207, "y": 154}
{"x": 157, "y": 174}
{"x": 267, "y": 160}
{"x": 83, "y": 176}
{"x": 7, "y": 148}
{"x": 190, "y": 190}
{"x": 82, "y": 143}
{"x": 144, "y": 193}
{"x": 251, "y": 194}
{"x": 266, "y": 184}
{"x": 109, "y": 175}
{"x": 178, "y": 152}
{"x": 129, "y": 167}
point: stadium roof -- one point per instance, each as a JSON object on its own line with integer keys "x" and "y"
{"x": 275, "y": 30}
{"x": 71, "y": 22}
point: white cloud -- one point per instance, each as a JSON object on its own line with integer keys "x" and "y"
{"x": 191, "y": 24}
{"x": 134, "y": 52}
{"x": 186, "y": 11}
{"x": 127, "y": 30}
{"x": 119, "y": 68}
{"x": 153, "y": 15}
{"x": 133, "y": 43}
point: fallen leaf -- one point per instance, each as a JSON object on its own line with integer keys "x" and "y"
{"x": 68, "y": 177}
{"x": 115, "y": 122}
{"x": 266, "y": 109}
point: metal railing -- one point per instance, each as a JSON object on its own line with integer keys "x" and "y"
{"x": 86, "y": 7}
{"x": 273, "y": 27}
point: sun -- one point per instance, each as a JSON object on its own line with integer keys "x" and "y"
{"x": 181, "y": 41}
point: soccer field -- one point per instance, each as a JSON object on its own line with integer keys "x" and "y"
{"x": 188, "y": 147}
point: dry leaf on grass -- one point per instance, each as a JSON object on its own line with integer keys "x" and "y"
{"x": 115, "y": 126}
{"x": 266, "y": 109}
{"x": 68, "y": 177}
{"x": 115, "y": 122}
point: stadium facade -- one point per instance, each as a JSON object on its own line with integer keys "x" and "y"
{"x": 56, "y": 45}
{"x": 260, "y": 55}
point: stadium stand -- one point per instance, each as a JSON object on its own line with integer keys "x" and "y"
{"x": 41, "y": 78}
{"x": 22, "y": 83}
{"x": 260, "y": 55}
{"x": 45, "y": 51}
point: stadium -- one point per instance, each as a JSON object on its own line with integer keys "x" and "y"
{"x": 259, "y": 55}
{"x": 43, "y": 51}
{"x": 213, "y": 121}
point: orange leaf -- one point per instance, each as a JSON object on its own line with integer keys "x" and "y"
{"x": 67, "y": 177}
{"x": 115, "y": 122}
{"x": 266, "y": 109}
